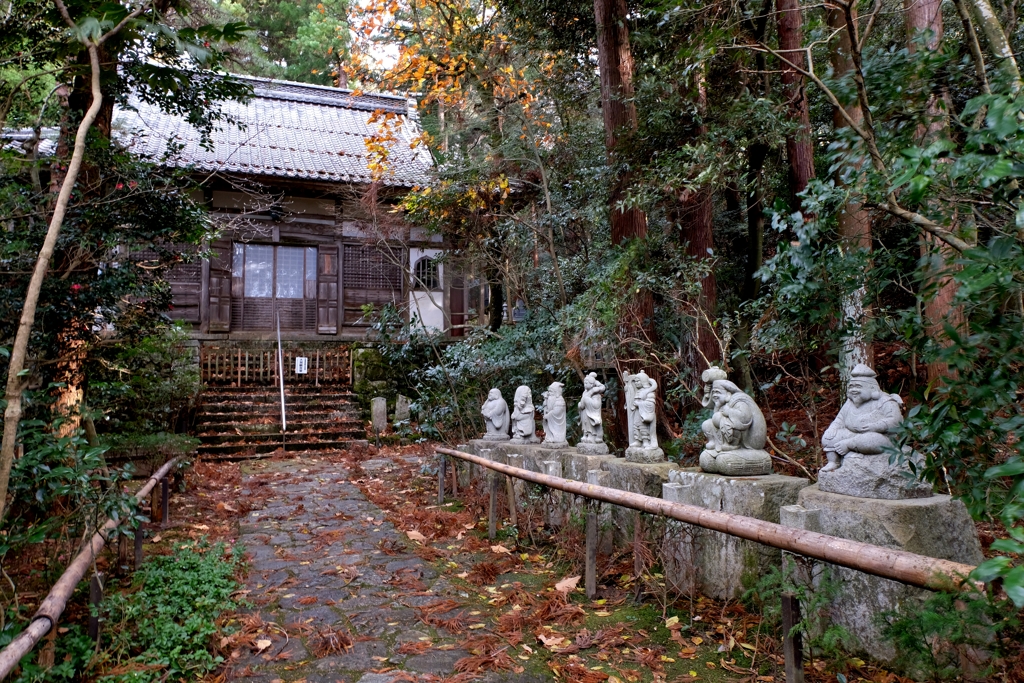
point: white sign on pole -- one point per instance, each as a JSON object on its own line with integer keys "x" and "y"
{"x": 301, "y": 365}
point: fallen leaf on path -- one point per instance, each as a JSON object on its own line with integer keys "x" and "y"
{"x": 415, "y": 535}
{"x": 553, "y": 642}
{"x": 262, "y": 645}
{"x": 567, "y": 584}
{"x": 500, "y": 550}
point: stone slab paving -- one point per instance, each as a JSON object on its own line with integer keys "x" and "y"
{"x": 316, "y": 536}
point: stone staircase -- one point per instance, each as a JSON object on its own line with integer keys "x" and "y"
{"x": 240, "y": 422}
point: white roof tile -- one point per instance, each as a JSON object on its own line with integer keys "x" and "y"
{"x": 287, "y": 129}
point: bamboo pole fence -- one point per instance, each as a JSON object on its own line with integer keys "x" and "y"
{"x": 48, "y": 614}
{"x": 897, "y": 565}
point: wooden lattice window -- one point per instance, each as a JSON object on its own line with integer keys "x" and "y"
{"x": 369, "y": 268}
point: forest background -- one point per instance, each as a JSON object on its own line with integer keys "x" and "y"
{"x": 782, "y": 189}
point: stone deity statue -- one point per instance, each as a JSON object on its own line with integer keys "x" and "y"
{"x": 641, "y": 397}
{"x": 554, "y": 417}
{"x": 524, "y": 424}
{"x": 857, "y": 445}
{"x": 592, "y": 442}
{"x": 736, "y": 430}
{"x": 495, "y": 412}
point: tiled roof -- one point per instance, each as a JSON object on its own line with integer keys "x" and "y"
{"x": 291, "y": 130}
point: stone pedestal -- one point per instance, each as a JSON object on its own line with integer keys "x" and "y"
{"x": 742, "y": 462}
{"x": 713, "y": 563}
{"x": 937, "y": 526}
{"x": 605, "y": 529}
{"x": 534, "y": 455}
{"x": 577, "y": 465}
{"x": 873, "y": 476}
{"x": 584, "y": 448}
{"x": 478, "y": 447}
{"x": 645, "y": 456}
{"x": 636, "y": 478}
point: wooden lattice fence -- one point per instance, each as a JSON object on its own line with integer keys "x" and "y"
{"x": 238, "y": 365}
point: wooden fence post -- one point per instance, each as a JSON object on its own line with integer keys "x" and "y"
{"x": 140, "y": 533}
{"x": 514, "y": 460}
{"x": 590, "y": 569}
{"x": 122, "y": 553}
{"x": 95, "y": 598}
{"x": 492, "y": 515}
{"x": 441, "y": 464}
{"x": 792, "y": 642}
{"x": 165, "y": 502}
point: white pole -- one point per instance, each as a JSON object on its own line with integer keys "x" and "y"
{"x": 280, "y": 372}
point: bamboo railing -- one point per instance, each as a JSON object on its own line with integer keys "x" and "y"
{"x": 48, "y": 614}
{"x": 897, "y": 565}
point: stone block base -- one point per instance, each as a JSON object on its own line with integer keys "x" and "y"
{"x": 578, "y": 465}
{"x": 645, "y": 478}
{"x": 937, "y": 526}
{"x": 646, "y": 456}
{"x": 871, "y": 476}
{"x": 592, "y": 448}
{"x": 713, "y": 563}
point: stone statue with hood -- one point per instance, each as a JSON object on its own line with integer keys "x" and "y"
{"x": 736, "y": 431}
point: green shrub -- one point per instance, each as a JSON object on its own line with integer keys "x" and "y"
{"x": 950, "y": 633}
{"x": 163, "y": 626}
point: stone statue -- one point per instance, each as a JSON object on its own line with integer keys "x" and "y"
{"x": 857, "y": 441}
{"x": 495, "y": 412}
{"x": 554, "y": 417}
{"x": 524, "y": 424}
{"x": 592, "y": 442}
{"x": 736, "y": 431}
{"x": 641, "y": 394}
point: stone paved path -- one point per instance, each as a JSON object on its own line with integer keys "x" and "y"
{"x": 316, "y": 561}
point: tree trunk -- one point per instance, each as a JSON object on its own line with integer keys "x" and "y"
{"x": 496, "y": 307}
{"x": 756, "y": 155}
{"x": 799, "y": 148}
{"x": 921, "y": 16}
{"x": 997, "y": 42}
{"x": 19, "y": 353}
{"x": 854, "y": 222}
{"x": 615, "y": 62}
{"x": 695, "y": 220}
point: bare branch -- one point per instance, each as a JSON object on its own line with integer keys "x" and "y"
{"x": 928, "y": 225}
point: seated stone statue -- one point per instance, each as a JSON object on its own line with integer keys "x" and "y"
{"x": 736, "y": 430}
{"x": 857, "y": 441}
{"x": 524, "y": 423}
{"x": 495, "y": 412}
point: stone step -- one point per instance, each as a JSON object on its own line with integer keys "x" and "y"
{"x": 325, "y": 435}
{"x": 229, "y": 406}
{"x": 275, "y": 389}
{"x": 242, "y": 451}
{"x": 215, "y": 423}
{"x": 297, "y": 414}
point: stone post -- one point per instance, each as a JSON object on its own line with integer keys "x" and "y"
{"x": 553, "y": 468}
{"x": 378, "y": 416}
{"x": 679, "y": 545}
